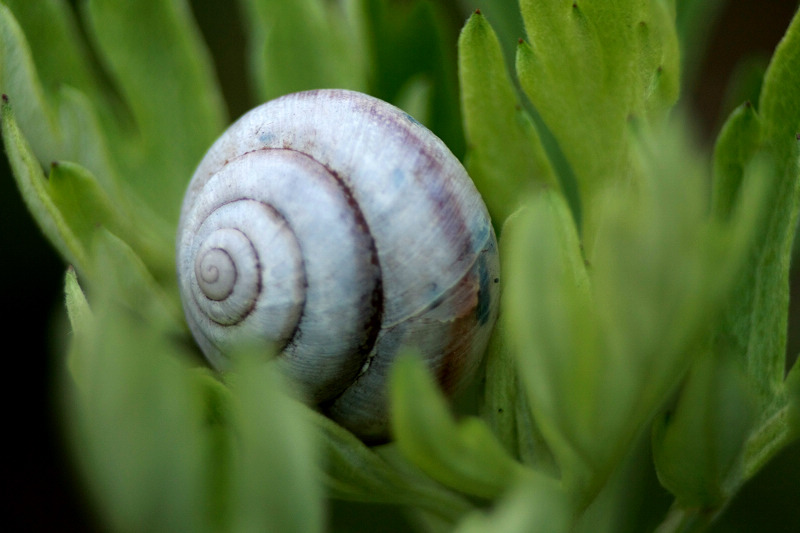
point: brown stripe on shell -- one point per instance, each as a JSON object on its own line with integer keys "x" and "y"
{"x": 373, "y": 325}
{"x": 453, "y": 363}
{"x": 447, "y": 210}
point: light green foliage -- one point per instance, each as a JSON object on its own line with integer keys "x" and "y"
{"x": 137, "y": 464}
{"x": 356, "y": 472}
{"x": 306, "y": 43}
{"x": 749, "y": 340}
{"x": 174, "y": 460}
{"x": 508, "y": 163}
{"x": 623, "y": 65}
{"x": 643, "y": 315}
{"x": 505, "y": 406}
{"x": 272, "y": 442}
{"x": 464, "y": 456}
{"x": 602, "y": 343}
{"x": 697, "y": 448}
{"x": 533, "y": 505}
{"x": 755, "y": 323}
{"x": 169, "y": 96}
{"x": 31, "y": 182}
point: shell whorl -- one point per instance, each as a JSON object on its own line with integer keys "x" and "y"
{"x": 270, "y": 205}
{"x": 339, "y": 229}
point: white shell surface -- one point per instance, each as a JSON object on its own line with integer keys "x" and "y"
{"x": 377, "y": 239}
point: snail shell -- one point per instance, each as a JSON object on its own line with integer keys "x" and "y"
{"x": 339, "y": 229}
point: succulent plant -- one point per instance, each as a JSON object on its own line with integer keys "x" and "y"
{"x": 643, "y": 315}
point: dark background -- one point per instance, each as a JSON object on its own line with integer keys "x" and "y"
{"x": 42, "y": 491}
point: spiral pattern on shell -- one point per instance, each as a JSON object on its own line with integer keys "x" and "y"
{"x": 336, "y": 227}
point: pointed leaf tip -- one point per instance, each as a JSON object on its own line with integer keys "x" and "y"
{"x": 505, "y": 155}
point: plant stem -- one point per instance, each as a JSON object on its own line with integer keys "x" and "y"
{"x": 773, "y": 435}
{"x": 695, "y": 520}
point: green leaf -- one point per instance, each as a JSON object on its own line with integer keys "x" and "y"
{"x": 737, "y": 144}
{"x": 52, "y": 115}
{"x": 651, "y": 303}
{"x": 123, "y": 275}
{"x": 507, "y": 22}
{"x": 90, "y": 148}
{"x": 356, "y": 472}
{"x": 219, "y": 426}
{"x": 601, "y": 344}
{"x": 274, "y": 481}
{"x": 589, "y": 68}
{"x": 712, "y": 442}
{"x": 57, "y": 46}
{"x": 650, "y": 308}
{"x": 81, "y": 320}
{"x": 137, "y": 427}
{"x": 85, "y": 206}
{"x": 658, "y": 59}
{"x": 19, "y": 80}
{"x": 778, "y": 106}
{"x": 774, "y": 432}
{"x": 305, "y": 44}
{"x": 464, "y": 455}
{"x": 77, "y": 307}
{"x": 765, "y": 146}
{"x": 532, "y": 505}
{"x": 505, "y": 405}
{"x": 164, "y": 73}
{"x": 32, "y": 184}
{"x": 505, "y": 156}
{"x": 697, "y": 446}
{"x": 627, "y": 501}
{"x": 81, "y": 200}
{"x": 751, "y": 328}
{"x": 745, "y": 84}
{"x": 552, "y": 334}
{"x": 501, "y": 394}
{"x": 64, "y": 61}
{"x": 49, "y": 110}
